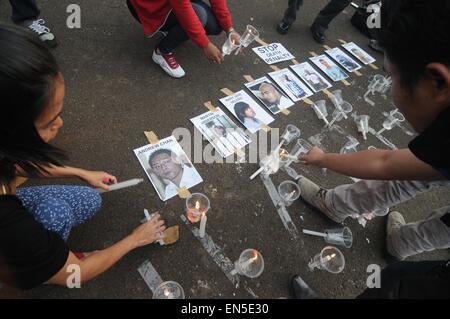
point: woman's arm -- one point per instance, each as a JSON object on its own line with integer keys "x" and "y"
{"x": 374, "y": 164}
{"x": 100, "y": 261}
{"x": 95, "y": 179}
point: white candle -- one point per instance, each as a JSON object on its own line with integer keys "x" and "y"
{"x": 290, "y": 196}
{"x": 314, "y": 233}
{"x": 114, "y": 187}
{"x": 257, "y": 173}
{"x": 148, "y": 217}
{"x": 323, "y": 117}
{"x": 363, "y": 130}
{"x": 245, "y": 265}
{"x": 327, "y": 258}
{"x": 168, "y": 294}
{"x": 203, "y": 225}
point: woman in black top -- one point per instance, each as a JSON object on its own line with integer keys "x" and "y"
{"x": 35, "y": 222}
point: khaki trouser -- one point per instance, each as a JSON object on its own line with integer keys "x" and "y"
{"x": 368, "y": 196}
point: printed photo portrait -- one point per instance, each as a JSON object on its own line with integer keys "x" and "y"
{"x": 267, "y": 92}
{"x": 221, "y": 132}
{"x": 343, "y": 59}
{"x": 291, "y": 85}
{"x": 359, "y": 53}
{"x": 311, "y": 77}
{"x": 330, "y": 68}
{"x": 247, "y": 111}
{"x": 168, "y": 167}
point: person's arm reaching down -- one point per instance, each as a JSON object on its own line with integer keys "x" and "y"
{"x": 100, "y": 261}
{"x": 93, "y": 178}
{"x": 191, "y": 24}
{"x": 374, "y": 164}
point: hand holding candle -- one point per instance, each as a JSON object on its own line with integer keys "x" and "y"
{"x": 148, "y": 217}
{"x": 148, "y": 232}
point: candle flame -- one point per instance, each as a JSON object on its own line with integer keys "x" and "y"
{"x": 255, "y": 257}
{"x": 283, "y": 153}
{"x": 197, "y": 205}
{"x": 166, "y": 292}
{"x": 329, "y": 257}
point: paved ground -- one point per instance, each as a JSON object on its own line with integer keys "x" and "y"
{"x": 115, "y": 92}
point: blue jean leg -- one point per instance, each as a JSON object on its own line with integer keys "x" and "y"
{"x": 60, "y": 208}
{"x": 175, "y": 32}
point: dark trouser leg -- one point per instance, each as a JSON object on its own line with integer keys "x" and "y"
{"x": 24, "y": 10}
{"x": 176, "y": 34}
{"x": 290, "y": 15}
{"x": 404, "y": 280}
{"x": 330, "y": 12}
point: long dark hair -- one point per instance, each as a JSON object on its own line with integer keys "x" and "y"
{"x": 27, "y": 84}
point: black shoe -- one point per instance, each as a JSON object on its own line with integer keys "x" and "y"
{"x": 42, "y": 31}
{"x": 283, "y": 28}
{"x": 317, "y": 34}
{"x": 301, "y": 290}
{"x": 375, "y": 45}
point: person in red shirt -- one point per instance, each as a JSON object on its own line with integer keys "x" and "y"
{"x": 179, "y": 21}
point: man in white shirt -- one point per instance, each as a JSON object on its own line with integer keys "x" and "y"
{"x": 173, "y": 172}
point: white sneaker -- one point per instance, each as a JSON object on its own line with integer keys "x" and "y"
{"x": 394, "y": 223}
{"x": 169, "y": 64}
{"x": 314, "y": 195}
{"x": 43, "y": 32}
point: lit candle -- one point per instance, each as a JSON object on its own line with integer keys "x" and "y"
{"x": 194, "y": 213}
{"x": 245, "y": 265}
{"x": 168, "y": 294}
{"x": 328, "y": 258}
{"x": 290, "y": 196}
{"x": 197, "y": 209}
{"x": 203, "y": 225}
{"x": 285, "y": 154}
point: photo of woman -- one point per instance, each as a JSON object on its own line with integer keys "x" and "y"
{"x": 247, "y": 111}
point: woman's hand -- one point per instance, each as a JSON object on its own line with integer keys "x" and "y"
{"x": 98, "y": 179}
{"x": 149, "y": 232}
{"x": 213, "y": 54}
{"x": 314, "y": 157}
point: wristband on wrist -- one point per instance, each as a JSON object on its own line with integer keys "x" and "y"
{"x": 230, "y": 31}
